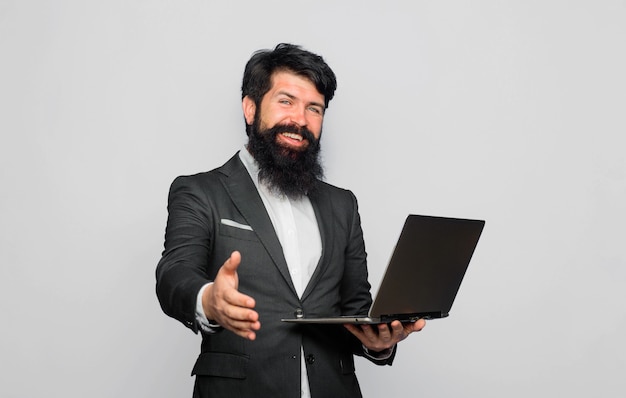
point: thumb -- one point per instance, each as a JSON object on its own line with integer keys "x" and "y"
{"x": 231, "y": 265}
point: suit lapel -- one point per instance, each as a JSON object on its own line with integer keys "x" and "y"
{"x": 245, "y": 196}
{"x": 322, "y": 206}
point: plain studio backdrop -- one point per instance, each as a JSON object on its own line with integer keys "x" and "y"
{"x": 512, "y": 112}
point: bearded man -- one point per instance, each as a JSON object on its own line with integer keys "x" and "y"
{"x": 263, "y": 238}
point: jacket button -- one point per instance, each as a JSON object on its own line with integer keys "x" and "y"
{"x": 310, "y": 359}
{"x": 299, "y": 313}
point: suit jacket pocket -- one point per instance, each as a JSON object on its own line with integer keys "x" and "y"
{"x": 221, "y": 364}
{"x": 238, "y": 233}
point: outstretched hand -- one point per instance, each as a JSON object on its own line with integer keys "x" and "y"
{"x": 384, "y": 336}
{"x": 225, "y": 305}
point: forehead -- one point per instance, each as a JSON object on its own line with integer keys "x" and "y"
{"x": 297, "y": 85}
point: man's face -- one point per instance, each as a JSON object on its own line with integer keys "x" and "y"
{"x": 285, "y": 132}
{"x": 292, "y": 101}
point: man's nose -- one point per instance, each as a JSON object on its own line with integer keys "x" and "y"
{"x": 298, "y": 116}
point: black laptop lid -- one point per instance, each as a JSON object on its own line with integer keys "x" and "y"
{"x": 427, "y": 266}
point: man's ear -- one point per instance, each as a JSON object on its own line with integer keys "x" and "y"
{"x": 249, "y": 109}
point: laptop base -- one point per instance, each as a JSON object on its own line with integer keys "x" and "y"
{"x": 366, "y": 320}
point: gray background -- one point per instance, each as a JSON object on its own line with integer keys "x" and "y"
{"x": 508, "y": 111}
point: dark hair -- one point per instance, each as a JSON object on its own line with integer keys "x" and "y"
{"x": 257, "y": 77}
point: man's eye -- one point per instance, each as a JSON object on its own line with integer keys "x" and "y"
{"x": 315, "y": 110}
{"x": 285, "y": 102}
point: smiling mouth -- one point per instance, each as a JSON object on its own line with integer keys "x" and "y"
{"x": 293, "y": 136}
{"x": 292, "y": 141}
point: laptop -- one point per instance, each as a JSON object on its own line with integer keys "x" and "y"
{"x": 424, "y": 274}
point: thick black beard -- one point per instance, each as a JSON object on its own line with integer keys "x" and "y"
{"x": 285, "y": 171}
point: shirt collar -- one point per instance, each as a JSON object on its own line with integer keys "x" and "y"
{"x": 250, "y": 164}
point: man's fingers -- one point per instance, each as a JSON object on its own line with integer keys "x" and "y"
{"x": 385, "y": 331}
{"x": 246, "y": 334}
{"x": 244, "y": 329}
{"x": 235, "y": 298}
{"x": 419, "y": 325}
{"x": 241, "y": 326}
{"x": 365, "y": 333}
{"x": 240, "y": 313}
{"x": 384, "y": 336}
{"x": 410, "y": 327}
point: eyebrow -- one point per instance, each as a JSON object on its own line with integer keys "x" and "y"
{"x": 281, "y": 92}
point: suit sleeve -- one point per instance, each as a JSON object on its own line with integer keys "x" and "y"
{"x": 355, "y": 289}
{"x": 182, "y": 270}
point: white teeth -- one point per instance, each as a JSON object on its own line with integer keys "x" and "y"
{"x": 293, "y": 136}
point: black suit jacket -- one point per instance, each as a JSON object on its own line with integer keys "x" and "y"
{"x": 197, "y": 242}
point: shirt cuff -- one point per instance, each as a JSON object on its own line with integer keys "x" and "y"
{"x": 379, "y": 356}
{"x": 204, "y": 324}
